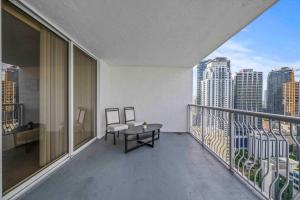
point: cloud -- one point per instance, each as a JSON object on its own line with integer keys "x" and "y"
{"x": 242, "y": 56}
{"x": 235, "y": 47}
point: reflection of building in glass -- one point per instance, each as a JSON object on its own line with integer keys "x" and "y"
{"x": 10, "y": 115}
{"x": 8, "y": 91}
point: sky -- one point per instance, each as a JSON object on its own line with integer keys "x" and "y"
{"x": 271, "y": 41}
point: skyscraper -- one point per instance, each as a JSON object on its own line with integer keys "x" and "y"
{"x": 247, "y": 96}
{"x": 217, "y": 91}
{"x": 276, "y": 79}
{"x": 290, "y": 98}
{"x": 265, "y": 97}
{"x": 217, "y": 84}
{"x": 248, "y": 90}
{"x": 200, "y": 70}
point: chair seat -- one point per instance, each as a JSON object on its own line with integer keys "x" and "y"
{"x": 134, "y": 123}
{"x": 116, "y": 127}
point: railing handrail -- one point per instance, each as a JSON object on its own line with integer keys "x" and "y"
{"x": 284, "y": 118}
{"x": 11, "y": 104}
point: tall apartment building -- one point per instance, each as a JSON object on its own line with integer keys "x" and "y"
{"x": 217, "y": 84}
{"x": 200, "y": 70}
{"x": 248, "y": 90}
{"x": 265, "y": 99}
{"x": 276, "y": 79}
{"x": 290, "y": 98}
{"x": 247, "y": 96}
{"x": 217, "y": 91}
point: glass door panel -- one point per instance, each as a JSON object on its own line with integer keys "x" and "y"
{"x": 34, "y": 75}
{"x": 85, "y": 97}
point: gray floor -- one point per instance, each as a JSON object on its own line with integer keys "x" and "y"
{"x": 178, "y": 168}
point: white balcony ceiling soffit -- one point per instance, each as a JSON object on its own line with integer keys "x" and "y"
{"x": 151, "y": 32}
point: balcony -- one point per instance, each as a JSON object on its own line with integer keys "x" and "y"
{"x": 176, "y": 168}
{"x": 64, "y": 63}
{"x": 260, "y": 148}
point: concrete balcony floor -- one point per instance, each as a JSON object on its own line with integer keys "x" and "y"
{"x": 178, "y": 168}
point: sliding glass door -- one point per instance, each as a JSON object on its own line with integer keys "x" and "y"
{"x": 85, "y": 97}
{"x": 34, "y": 76}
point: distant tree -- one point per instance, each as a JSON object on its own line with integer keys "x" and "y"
{"x": 288, "y": 193}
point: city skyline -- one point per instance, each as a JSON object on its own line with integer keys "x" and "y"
{"x": 269, "y": 42}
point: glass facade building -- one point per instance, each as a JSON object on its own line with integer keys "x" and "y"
{"x": 200, "y": 70}
{"x": 276, "y": 79}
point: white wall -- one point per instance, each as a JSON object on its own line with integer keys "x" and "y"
{"x": 159, "y": 94}
{"x": 104, "y": 96}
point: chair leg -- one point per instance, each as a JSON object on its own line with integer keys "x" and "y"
{"x": 158, "y": 133}
{"x": 105, "y": 135}
{"x": 114, "y": 138}
{"x": 118, "y": 133}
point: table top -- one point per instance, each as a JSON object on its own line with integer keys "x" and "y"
{"x": 135, "y": 130}
{"x": 22, "y": 129}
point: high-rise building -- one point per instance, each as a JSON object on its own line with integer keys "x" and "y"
{"x": 290, "y": 98}
{"x": 200, "y": 70}
{"x": 276, "y": 79}
{"x": 248, "y": 90}
{"x": 217, "y": 91}
{"x": 217, "y": 84}
{"x": 247, "y": 96}
{"x": 265, "y": 99}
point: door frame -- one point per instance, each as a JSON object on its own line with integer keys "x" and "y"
{"x": 40, "y": 175}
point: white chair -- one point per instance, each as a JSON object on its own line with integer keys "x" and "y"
{"x": 79, "y": 125}
{"x": 113, "y": 124}
{"x": 130, "y": 117}
{"x": 79, "y": 120}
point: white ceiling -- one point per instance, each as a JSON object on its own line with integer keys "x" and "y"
{"x": 150, "y": 32}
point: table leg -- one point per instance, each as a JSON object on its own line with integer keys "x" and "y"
{"x": 114, "y": 138}
{"x": 126, "y": 143}
{"x": 158, "y": 133}
{"x": 153, "y": 135}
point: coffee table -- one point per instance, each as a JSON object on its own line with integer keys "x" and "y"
{"x": 142, "y": 136}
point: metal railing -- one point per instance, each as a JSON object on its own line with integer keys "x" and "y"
{"x": 263, "y": 149}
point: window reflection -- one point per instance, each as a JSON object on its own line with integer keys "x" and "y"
{"x": 34, "y": 96}
{"x": 85, "y": 94}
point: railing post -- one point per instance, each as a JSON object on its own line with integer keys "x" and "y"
{"x": 189, "y": 118}
{"x": 231, "y": 141}
{"x": 202, "y": 125}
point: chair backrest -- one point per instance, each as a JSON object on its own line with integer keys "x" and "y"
{"x": 78, "y": 111}
{"x": 129, "y": 114}
{"x": 80, "y": 115}
{"x": 112, "y": 116}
